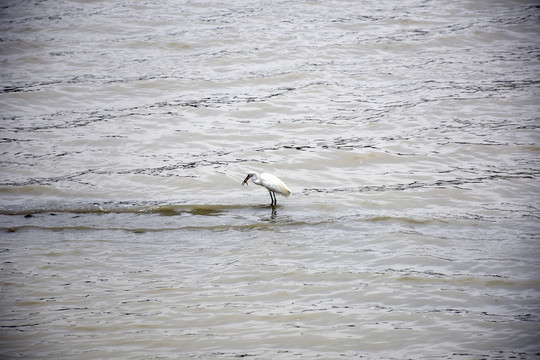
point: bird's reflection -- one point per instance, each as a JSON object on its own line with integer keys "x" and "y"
{"x": 274, "y": 212}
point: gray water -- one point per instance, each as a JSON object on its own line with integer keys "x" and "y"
{"x": 406, "y": 130}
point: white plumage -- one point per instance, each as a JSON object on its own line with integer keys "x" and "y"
{"x": 270, "y": 182}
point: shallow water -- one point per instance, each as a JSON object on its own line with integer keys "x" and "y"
{"x": 406, "y": 130}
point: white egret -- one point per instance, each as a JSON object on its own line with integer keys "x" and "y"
{"x": 270, "y": 182}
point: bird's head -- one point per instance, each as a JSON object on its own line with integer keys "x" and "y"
{"x": 249, "y": 176}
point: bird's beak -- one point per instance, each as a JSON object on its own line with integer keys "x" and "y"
{"x": 245, "y": 182}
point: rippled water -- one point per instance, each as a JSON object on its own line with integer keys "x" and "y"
{"x": 406, "y": 130}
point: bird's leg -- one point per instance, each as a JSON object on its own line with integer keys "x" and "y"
{"x": 273, "y": 198}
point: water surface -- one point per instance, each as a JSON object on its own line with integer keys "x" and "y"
{"x": 406, "y": 130}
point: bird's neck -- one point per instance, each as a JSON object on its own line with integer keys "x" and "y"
{"x": 256, "y": 179}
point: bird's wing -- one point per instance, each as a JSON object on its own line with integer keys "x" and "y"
{"x": 273, "y": 183}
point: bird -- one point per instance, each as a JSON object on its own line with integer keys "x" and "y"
{"x": 272, "y": 183}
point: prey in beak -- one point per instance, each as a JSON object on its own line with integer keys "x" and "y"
{"x": 245, "y": 182}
